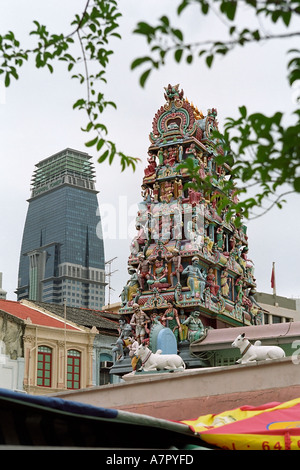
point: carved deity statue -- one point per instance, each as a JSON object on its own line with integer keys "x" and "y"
{"x": 211, "y": 283}
{"x": 151, "y": 168}
{"x": 139, "y": 321}
{"x": 125, "y": 332}
{"x": 159, "y": 275}
{"x": 172, "y": 318}
{"x": 196, "y": 280}
{"x": 195, "y": 326}
{"x": 130, "y": 289}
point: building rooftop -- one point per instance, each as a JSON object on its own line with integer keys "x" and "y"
{"x": 68, "y": 161}
{"x": 218, "y": 338}
{"x": 278, "y": 300}
{"x": 105, "y": 321}
{"x": 34, "y": 315}
{"x": 277, "y": 310}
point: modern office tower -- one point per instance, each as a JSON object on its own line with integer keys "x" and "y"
{"x": 62, "y": 252}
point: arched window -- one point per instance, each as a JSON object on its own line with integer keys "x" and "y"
{"x": 73, "y": 369}
{"x": 44, "y": 365}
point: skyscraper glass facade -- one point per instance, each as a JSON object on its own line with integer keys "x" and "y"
{"x": 62, "y": 253}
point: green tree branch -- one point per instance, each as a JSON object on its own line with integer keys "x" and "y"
{"x": 262, "y": 151}
{"x": 92, "y": 31}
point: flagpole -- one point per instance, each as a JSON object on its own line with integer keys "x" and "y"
{"x": 273, "y": 281}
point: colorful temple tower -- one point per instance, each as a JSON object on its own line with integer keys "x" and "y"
{"x": 186, "y": 256}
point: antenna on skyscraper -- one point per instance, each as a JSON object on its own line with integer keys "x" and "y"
{"x": 110, "y": 272}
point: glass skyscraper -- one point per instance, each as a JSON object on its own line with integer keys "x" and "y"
{"x": 62, "y": 252}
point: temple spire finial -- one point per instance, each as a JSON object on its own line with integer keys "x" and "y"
{"x": 172, "y": 93}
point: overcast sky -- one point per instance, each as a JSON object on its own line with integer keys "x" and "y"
{"x": 37, "y": 120}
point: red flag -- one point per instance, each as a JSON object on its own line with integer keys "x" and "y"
{"x": 273, "y": 277}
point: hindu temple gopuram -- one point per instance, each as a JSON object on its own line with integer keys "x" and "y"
{"x": 188, "y": 268}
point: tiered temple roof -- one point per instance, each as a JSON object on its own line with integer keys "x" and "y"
{"x": 185, "y": 250}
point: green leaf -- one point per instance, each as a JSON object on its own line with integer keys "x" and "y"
{"x": 178, "y": 34}
{"x": 204, "y": 7}
{"x": 209, "y": 60}
{"x": 7, "y": 79}
{"x": 140, "y": 60}
{"x": 79, "y": 103}
{"x": 91, "y": 142}
{"x": 182, "y": 6}
{"x": 178, "y": 54}
{"x": 111, "y": 103}
{"x": 297, "y": 184}
{"x": 100, "y": 144}
{"x": 286, "y": 17}
{"x": 243, "y": 111}
{"x": 144, "y": 28}
{"x": 144, "y": 77}
{"x": 228, "y": 7}
{"x": 165, "y": 20}
{"x": 112, "y": 155}
{"x": 103, "y": 156}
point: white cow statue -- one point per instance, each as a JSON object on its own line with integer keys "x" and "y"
{"x": 158, "y": 361}
{"x": 255, "y": 352}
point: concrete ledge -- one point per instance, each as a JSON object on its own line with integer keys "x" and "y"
{"x": 194, "y": 392}
{"x": 178, "y": 410}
